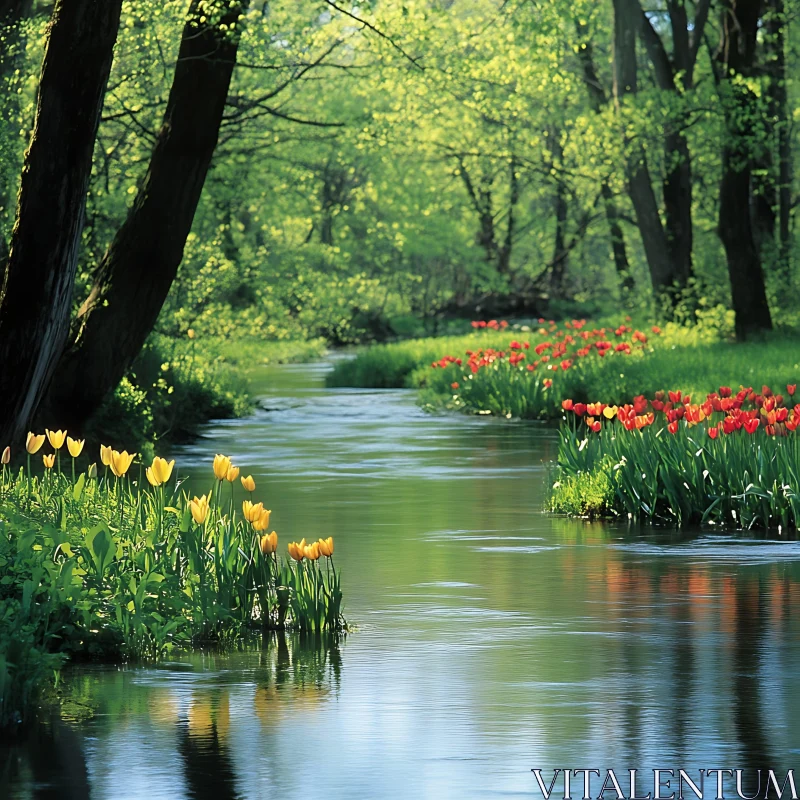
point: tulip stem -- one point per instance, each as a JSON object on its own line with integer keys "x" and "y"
{"x": 29, "y": 480}
{"x": 73, "y": 472}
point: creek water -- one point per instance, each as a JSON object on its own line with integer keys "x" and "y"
{"x": 490, "y": 638}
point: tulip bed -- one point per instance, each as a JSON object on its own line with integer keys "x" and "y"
{"x": 528, "y": 376}
{"x": 732, "y": 460}
{"x": 101, "y": 564}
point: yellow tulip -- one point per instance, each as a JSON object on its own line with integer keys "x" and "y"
{"x": 199, "y": 508}
{"x": 221, "y": 466}
{"x": 75, "y": 446}
{"x": 269, "y": 543}
{"x": 34, "y": 443}
{"x": 297, "y": 550}
{"x": 326, "y": 546}
{"x": 49, "y": 460}
{"x": 190, "y": 333}
{"x": 160, "y": 471}
{"x": 92, "y": 471}
{"x": 249, "y": 484}
{"x": 121, "y": 462}
{"x": 232, "y": 474}
{"x": 262, "y": 523}
{"x": 252, "y": 511}
{"x": 6, "y": 456}
{"x": 609, "y": 412}
{"x": 311, "y": 551}
{"x": 105, "y": 455}
{"x": 56, "y": 438}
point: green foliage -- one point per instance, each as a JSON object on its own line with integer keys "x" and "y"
{"x": 106, "y": 568}
{"x": 584, "y": 494}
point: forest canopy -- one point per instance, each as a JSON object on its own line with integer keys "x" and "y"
{"x": 364, "y": 170}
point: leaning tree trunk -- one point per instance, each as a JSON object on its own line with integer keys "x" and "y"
{"x": 37, "y": 282}
{"x": 142, "y": 261}
{"x": 740, "y": 29}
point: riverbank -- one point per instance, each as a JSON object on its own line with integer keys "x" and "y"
{"x": 526, "y": 374}
{"x": 177, "y": 385}
{"x": 119, "y": 563}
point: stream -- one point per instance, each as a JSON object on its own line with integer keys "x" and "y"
{"x": 489, "y": 638}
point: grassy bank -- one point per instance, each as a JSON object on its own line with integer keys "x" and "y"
{"x": 526, "y": 374}
{"x": 176, "y": 385}
{"x": 732, "y": 459}
{"x": 121, "y": 565}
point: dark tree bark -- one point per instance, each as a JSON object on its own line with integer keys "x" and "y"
{"x": 560, "y": 259}
{"x": 141, "y": 263}
{"x": 740, "y": 21}
{"x": 675, "y": 74}
{"x": 37, "y": 282}
{"x": 598, "y": 101}
{"x": 640, "y": 185}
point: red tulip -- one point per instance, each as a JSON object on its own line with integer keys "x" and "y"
{"x": 547, "y": 383}
{"x": 567, "y": 405}
{"x": 724, "y": 391}
{"x": 673, "y": 427}
{"x": 579, "y": 409}
{"x": 790, "y": 388}
{"x": 713, "y": 432}
{"x": 454, "y": 385}
{"x": 750, "y": 425}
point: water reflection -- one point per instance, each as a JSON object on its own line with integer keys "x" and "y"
{"x": 491, "y": 638}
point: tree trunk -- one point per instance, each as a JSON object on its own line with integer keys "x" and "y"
{"x": 560, "y": 253}
{"x": 142, "y": 261}
{"x": 598, "y": 101}
{"x": 739, "y": 31}
{"x": 677, "y": 192}
{"x": 640, "y": 186}
{"x": 618, "y": 248}
{"x": 38, "y": 279}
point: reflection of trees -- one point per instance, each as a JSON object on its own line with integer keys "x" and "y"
{"x": 203, "y": 747}
{"x": 51, "y": 759}
{"x": 750, "y": 631}
{"x": 294, "y": 673}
